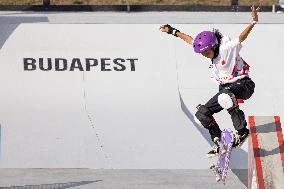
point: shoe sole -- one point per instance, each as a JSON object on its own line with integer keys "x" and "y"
{"x": 211, "y": 156}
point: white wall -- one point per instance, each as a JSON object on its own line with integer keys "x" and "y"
{"x": 61, "y": 119}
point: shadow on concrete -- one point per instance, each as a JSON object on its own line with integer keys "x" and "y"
{"x": 52, "y": 186}
{"x": 264, "y": 153}
{"x": 242, "y": 175}
{"x": 190, "y": 116}
{"x": 267, "y": 128}
{"x": 8, "y": 24}
{"x": 238, "y": 155}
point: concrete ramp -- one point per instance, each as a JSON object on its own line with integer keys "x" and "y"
{"x": 266, "y": 153}
{"x": 92, "y": 102}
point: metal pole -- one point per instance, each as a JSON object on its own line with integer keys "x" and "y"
{"x": 273, "y": 8}
{"x": 128, "y": 6}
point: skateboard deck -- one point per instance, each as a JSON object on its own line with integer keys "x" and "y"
{"x": 220, "y": 169}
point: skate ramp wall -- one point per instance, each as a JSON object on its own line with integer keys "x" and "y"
{"x": 124, "y": 115}
{"x": 106, "y": 115}
{"x": 266, "y": 153}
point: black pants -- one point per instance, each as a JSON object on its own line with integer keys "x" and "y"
{"x": 242, "y": 89}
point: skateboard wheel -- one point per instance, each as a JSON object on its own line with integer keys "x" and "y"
{"x": 216, "y": 139}
{"x": 218, "y": 179}
{"x": 223, "y": 151}
{"x": 212, "y": 166}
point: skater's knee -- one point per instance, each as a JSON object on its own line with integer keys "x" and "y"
{"x": 227, "y": 100}
{"x": 203, "y": 116}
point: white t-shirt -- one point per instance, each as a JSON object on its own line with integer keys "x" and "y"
{"x": 229, "y": 66}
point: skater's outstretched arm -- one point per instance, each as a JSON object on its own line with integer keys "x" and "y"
{"x": 170, "y": 30}
{"x": 185, "y": 37}
{"x": 254, "y": 15}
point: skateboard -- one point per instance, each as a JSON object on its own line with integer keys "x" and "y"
{"x": 221, "y": 168}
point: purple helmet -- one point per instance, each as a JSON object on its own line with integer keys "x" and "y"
{"x": 204, "y": 41}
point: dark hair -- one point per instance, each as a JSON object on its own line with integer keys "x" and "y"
{"x": 218, "y": 35}
{"x": 216, "y": 47}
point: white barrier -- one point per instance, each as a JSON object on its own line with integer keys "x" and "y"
{"x": 266, "y": 153}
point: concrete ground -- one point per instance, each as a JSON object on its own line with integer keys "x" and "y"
{"x": 117, "y": 179}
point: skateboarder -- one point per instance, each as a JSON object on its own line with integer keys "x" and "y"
{"x": 230, "y": 71}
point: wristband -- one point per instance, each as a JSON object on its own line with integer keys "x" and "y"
{"x": 175, "y": 32}
{"x": 172, "y": 31}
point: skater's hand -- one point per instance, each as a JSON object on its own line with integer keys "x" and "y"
{"x": 254, "y": 12}
{"x": 247, "y": 30}
{"x": 164, "y": 28}
{"x": 173, "y": 31}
